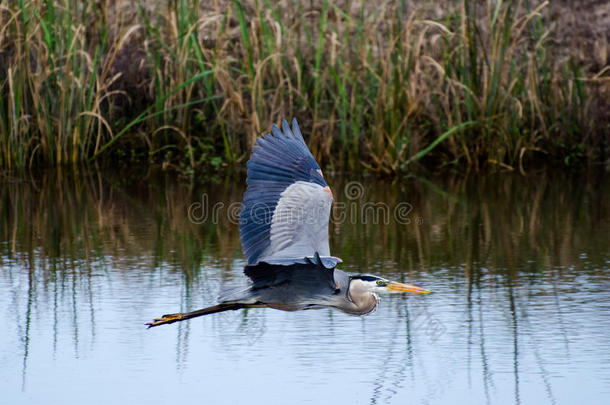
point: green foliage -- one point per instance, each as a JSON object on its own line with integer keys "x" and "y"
{"x": 191, "y": 85}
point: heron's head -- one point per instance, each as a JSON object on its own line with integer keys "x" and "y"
{"x": 378, "y": 285}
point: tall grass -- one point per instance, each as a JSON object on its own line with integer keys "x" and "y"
{"x": 384, "y": 86}
{"x": 51, "y": 89}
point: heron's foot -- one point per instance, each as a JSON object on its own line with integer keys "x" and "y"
{"x": 170, "y": 318}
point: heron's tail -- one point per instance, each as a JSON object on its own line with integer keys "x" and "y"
{"x": 171, "y": 318}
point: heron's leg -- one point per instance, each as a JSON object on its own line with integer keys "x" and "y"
{"x": 171, "y": 318}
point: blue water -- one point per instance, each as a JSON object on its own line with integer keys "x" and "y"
{"x": 519, "y": 311}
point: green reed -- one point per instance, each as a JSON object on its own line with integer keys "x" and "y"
{"x": 191, "y": 85}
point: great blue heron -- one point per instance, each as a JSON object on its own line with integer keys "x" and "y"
{"x": 283, "y": 226}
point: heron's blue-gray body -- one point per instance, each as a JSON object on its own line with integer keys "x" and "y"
{"x": 283, "y": 226}
{"x": 298, "y": 287}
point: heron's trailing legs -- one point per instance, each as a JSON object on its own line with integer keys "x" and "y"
{"x": 171, "y": 318}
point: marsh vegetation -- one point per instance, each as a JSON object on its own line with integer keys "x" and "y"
{"x": 190, "y": 85}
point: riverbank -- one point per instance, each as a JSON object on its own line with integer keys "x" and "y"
{"x": 189, "y": 87}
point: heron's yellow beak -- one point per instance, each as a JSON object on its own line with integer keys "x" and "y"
{"x": 394, "y": 286}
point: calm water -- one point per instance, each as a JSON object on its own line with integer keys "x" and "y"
{"x": 519, "y": 267}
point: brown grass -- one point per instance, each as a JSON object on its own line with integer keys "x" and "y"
{"x": 474, "y": 84}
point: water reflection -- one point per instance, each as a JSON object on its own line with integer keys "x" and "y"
{"x": 519, "y": 265}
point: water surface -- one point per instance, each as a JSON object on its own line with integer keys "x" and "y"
{"x": 519, "y": 268}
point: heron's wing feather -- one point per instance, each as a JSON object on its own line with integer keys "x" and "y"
{"x": 329, "y": 262}
{"x": 299, "y": 226}
{"x": 308, "y": 277}
{"x": 286, "y": 207}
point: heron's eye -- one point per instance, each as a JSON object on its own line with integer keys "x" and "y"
{"x": 380, "y": 282}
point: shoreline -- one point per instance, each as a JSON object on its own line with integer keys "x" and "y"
{"x": 381, "y": 89}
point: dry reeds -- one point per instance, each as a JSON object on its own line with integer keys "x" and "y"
{"x": 473, "y": 83}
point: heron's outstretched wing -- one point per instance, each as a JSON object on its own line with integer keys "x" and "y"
{"x": 286, "y": 207}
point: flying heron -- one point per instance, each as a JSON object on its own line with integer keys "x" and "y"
{"x": 283, "y": 226}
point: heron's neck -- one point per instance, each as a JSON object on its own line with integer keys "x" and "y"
{"x": 363, "y": 301}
